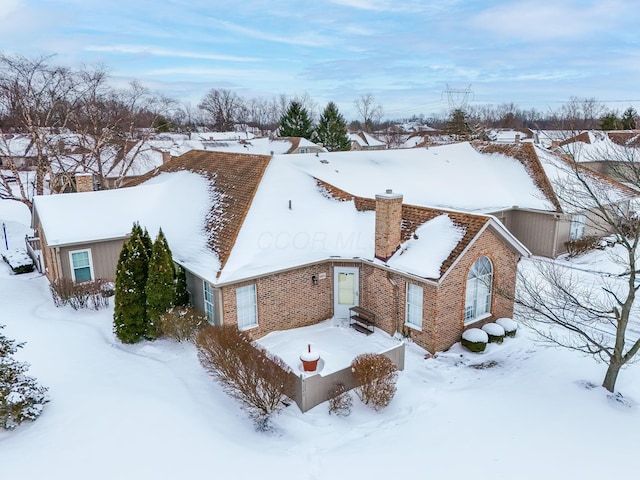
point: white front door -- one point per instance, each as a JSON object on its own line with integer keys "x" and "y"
{"x": 345, "y": 290}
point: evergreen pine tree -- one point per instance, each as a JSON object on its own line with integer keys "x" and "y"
{"x": 610, "y": 121}
{"x": 296, "y": 122}
{"x": 629, "y": 119}
{"x": 146, "y": 241}
{"x": 458, "y": 124}
{"x": 21, "y": 398}
{"x": 160, "y": 287}
{"x": 182, "y": 294}
{"x": 332, "y": 130}
{"x": 130, "y": 315}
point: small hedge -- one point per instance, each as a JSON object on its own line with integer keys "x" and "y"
{"x": 510, "y": 327}
{"x": 583, "y": 245}
{"x": 475, "y": 340}
{"x": 340, "y": 401}
{"x": 19, "y": 261}
{"x": 182, "y": 323}
{"x": 494, "y": 331}
{"x": 80, "y": 295}
{"x": 375, "y": 376}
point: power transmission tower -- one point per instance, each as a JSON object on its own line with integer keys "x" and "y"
{"x": 458, "y": 97}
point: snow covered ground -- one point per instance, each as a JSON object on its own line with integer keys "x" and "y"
{"x": 149, "y": 411}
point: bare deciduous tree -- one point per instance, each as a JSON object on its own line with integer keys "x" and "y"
{"x": 223, "y": 107}
{"x": 591, "y": 313}
{"x": 369, "y": 111}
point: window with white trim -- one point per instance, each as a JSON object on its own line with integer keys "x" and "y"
{"x": 81, "y": 269}
{"x": 247, "y": 307}
{"x": 413, "y": 312}
{"x": 478, "y": 294}
{"x": 209, "y": 303}
{"x": 576, "y": 231}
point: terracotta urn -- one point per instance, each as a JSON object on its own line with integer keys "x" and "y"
{"x": 309, "y": 360}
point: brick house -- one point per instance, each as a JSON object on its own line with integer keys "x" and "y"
{"x": 267, "y": 246}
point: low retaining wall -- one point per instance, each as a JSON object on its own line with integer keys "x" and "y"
{"x": 312, "y": 390}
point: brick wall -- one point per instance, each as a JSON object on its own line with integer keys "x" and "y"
{"x": 286, "y": 300}
{"x": 384, "y": 294}
{"x": 388, "y": 224}
{"x": 290, "y": 300}
{"x": 84, "y": 182}
{"x": 451, "y": 296}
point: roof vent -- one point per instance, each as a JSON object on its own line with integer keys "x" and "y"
{"x": 389, "y": 190}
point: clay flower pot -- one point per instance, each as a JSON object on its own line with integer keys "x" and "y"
{"x": 309, "y": 360}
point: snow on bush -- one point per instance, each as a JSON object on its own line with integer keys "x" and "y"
{"x": 475, "y": 339}
{"x": 494, "y": 331}
{"x": 21, "y": 398}
{"x": 509, "y": 325}
{"x": 475, "y": 335}
{"x": 18, "y": 260}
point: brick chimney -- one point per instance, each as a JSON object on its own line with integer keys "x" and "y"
{"x": 84, "y": 182}
{"x": 388, "y": 224}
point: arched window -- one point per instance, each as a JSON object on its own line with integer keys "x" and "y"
{"x": 478, "y": 297}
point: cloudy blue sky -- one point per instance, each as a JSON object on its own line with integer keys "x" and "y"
{"x": 534, "y": 53}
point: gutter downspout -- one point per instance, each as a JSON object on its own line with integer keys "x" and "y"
{"x": 58, "y": 263}
{"x": 555, "y": 236}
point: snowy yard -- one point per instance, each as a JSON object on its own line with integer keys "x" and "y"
{"x": 149, "y": 411}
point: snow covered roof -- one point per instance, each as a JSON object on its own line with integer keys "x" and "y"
{"x": 453, "y": 176}
{"x": 178, "y": 203}
{"x": 597, "y": 146}
{"x": 230, "y": 216}
{"x": 554, "y": 175}
{"x": 366, "y": 140}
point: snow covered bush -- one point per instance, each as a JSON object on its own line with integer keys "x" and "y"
{"x": 375, "y": 376}
{"x": 494, "y": 331}
{"x": 510, "y": 327}
{"x": 182, "y": 323}
{"x": 19, "y": 261}
{"x": 340, "y": 401}
{"x": 475, "y": 339}
{"x": 79, "y": 295}
{"x": 21, "y": 398}
{"x": 260, "y": 383}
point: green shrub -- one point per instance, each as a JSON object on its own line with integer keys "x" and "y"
{"x": 494, "y": 331}
{"x": 510, "y": 327}
{"x": 375, "y": 376}
{"x": 21, "y": 398}
{"x": 475, "y": 340}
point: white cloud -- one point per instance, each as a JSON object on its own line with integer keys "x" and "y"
{"x": 162, "y": 52}
{"x": 532, "y": 20}
{"x": 308, "y": 39}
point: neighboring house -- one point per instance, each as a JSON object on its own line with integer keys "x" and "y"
{"x": 268, "y": 245}
{"x": 365, "y": 141}
{"x": 514, "y": 182}
{"x": 509, "y": 135}
{"x": 615, "y": 154}
{"x": 17, "y": 151}
{"x": 546, "y": 232}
